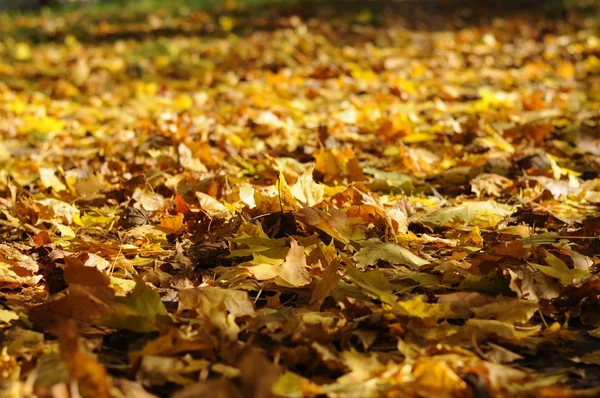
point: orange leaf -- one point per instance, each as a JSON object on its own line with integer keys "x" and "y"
{"x": 172, "y": 224}
{"x": 180, "y": 204}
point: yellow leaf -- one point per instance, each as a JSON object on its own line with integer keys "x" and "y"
{"x": 121, "y": 285}
{"x": 419, "y": 137}
{"x": 188, "y": 160}
{"x": 373, "y": 250}
{"x": 275, "y": 198}
{"x": 44, "y": 128}
{"x": 172, "y": 224}
{"x": 558, "y": 269}
{"x": 292, "y": 272}
{"x": 565, "y": 70}
{"x": 50, "y": 180}
{"x": 335, "y": 223}
{"x": 336, "y": 165}
{"x": 211, "y": 205}
{"x": 477, "y": 213}
{"x": 436, "y": 374}
{"x": 22, "y": 51}
{"x": 227, "y": 23}
{"x": 65, "y": 231}
{"x": 307, "y": 190}
{"x": 6, "y": 316}
{"x": 293, "y": 385}
{"x": 183, "y": 102}
{"x": 220, "y": 306}
{"x": 416, "y": 307}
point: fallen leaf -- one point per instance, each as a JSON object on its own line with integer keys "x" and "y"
{"x": 483, "y": 214}
{"x": 220, "y": 306}
{"x": 90, "y": 376}
{"x": 373, "y": 250}
{"x": 141, "y": 311}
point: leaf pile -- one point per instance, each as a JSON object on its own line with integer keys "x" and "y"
{"x": 293, "y": 202}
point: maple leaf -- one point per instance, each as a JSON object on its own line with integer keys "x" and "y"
{"x": 275, "y": 198}
{"x": 141, "y": 311}
{"x": 172, "y": 224}
{"x": 58, "y": 211}
{"x": 292, "y": 271}
{"x": 387, "y": 181}
{"x": 220, "y": 306}
{"x": 251, "y": 240}
{"x": 484, "y": 214}
{"x": 307, "y": 190}
{"x": 81, "y": 304}
{"x": 335, "y": 223}
{"x": 374, "y": 284}
{"x": 559, "y": 270}
{"x": 211, "y": 206}
{"x": 336, "y": 165}
{"x": 490, "y": 185}
{"x": 373, "y": 250}
{"x": 265, "y": 212}
{"x": 90, "y": 186}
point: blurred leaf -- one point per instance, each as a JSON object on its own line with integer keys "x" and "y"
{"x": 293, "y": 386}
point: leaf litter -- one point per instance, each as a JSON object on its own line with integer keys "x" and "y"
{"x": 296, "y": 201}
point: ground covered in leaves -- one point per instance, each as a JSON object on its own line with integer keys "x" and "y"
{"x": 310, "y": 201}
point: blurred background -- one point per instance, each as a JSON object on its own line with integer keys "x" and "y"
{"x": 40, "y": 4}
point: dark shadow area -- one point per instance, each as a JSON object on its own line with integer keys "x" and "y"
{"x": 421, "y": 15}
{"x": 556, "y": 359}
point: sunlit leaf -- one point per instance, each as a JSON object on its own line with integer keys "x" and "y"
{"x": 373, "y": 250}
{"x": 484, "y": 214}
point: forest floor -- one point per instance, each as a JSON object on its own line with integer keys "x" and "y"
{"x": 306, "y": 200}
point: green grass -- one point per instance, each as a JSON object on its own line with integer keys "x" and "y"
{"x": 140, "y": 6}
{"x": 76, "y": 16}
{"x": 99, "y": 8}
{"x": 24, "y": 24}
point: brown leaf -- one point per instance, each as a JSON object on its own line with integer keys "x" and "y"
{"x": 325, "y": 285}
{"x": 91, "y": 377}
{"x": 258, "y": 374}
{"x": 82, "y": 304}
{"x": 212, "y": 389}
{"x": 172, "y": 224}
